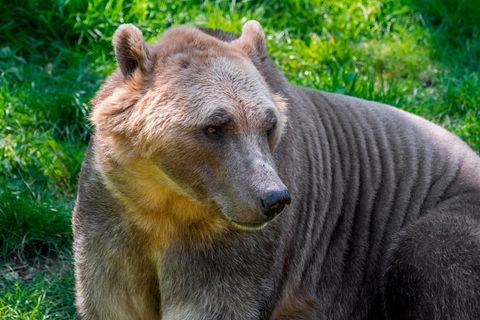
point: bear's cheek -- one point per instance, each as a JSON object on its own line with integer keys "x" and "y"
{"x": 194, "y": 168}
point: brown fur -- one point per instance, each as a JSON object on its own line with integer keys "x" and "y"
{"x": 127, "y": 120}
{"x": 132, "y": 133}
{"x": 191, "y": 136}
{"x": 295, "y": 306}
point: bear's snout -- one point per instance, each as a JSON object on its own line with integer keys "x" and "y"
{"x": 274, "y": 202}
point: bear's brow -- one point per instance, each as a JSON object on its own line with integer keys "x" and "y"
{"x": 220, "y": 117}
{"x": 270, "y": 118}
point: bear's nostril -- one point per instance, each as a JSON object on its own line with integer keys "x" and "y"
{"x": 274, "y": 202}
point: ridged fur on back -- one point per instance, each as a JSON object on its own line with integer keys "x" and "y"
{"x": 360, "y": 173}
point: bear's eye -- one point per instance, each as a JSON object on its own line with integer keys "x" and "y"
{"x": 271, "y": 130}
{"x": 213, "y": 131}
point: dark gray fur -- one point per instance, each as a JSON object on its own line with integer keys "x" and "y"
{"x": 383, "y": 224}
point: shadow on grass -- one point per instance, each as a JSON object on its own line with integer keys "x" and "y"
{"x": 455, "y": 29}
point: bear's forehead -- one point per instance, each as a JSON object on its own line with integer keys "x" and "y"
{"x": 194, "y": 44}
{"x": 226, "y": 83}
{"x": 197, "y": 59}
{"x": 209, "y": 75}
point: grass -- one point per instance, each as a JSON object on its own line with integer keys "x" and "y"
{"x": 420, "y": 55}
{"x": 38, "y": 290}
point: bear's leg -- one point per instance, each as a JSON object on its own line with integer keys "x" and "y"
{"x": 434, "y": 269}
{"x": 114, "y": 283}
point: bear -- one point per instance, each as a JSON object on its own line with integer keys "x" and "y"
{"x": 212, "y": 188}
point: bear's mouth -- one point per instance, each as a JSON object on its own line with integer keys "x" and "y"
{"x": 248, "y": 226}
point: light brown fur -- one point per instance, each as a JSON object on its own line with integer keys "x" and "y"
{"x": 160, "y": 208}
{"x": 141, "y": 119}
{"x": 132, "y": 131}
{"x": 186, "y": 151}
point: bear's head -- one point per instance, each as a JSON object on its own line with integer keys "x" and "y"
{"x": 185, "y": 129}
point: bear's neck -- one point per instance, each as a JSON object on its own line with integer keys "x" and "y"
{"x": 158, "y": 207}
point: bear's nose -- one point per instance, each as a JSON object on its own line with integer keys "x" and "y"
{"x": 273, "y": 202}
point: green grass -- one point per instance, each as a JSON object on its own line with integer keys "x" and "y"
{"x": 39, "y": 290}
{"x": 420, "y": 55}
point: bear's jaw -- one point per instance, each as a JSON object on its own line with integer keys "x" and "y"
{"x": 248, "y": 227}
{"x": 159, "y": 208}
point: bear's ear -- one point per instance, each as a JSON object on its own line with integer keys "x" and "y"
{"x": 252, "y": 41}
{"x": 131, "y": 50}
